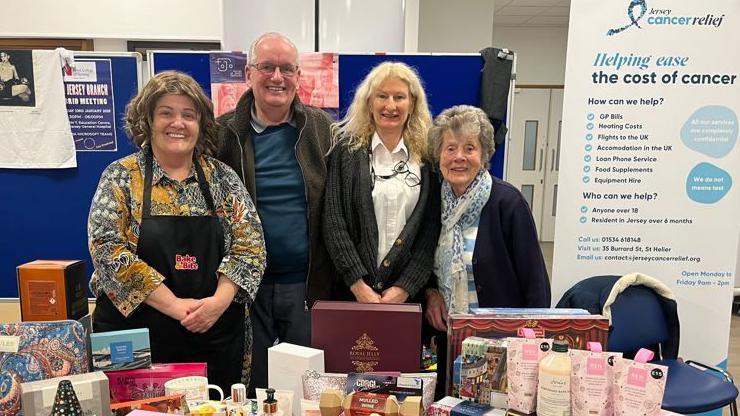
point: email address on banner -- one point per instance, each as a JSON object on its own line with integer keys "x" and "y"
{"x": 651, "y": 259}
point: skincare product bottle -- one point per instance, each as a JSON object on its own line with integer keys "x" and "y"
{"x": 270, "y": 405}
{"x": 553, "y": 390}
{"x": 237, "y": 406}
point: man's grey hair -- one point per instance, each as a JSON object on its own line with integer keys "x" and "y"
{"x": 253, "y": 48}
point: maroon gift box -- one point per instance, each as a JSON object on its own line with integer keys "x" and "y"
{"x": 362, "y": 337}
{"x": 576, "y": 329}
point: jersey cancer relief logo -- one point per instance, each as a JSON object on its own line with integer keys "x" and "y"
{"x": 634, "y": 8}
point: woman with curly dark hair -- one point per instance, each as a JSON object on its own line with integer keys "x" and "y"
{"x": 175, "y": 240}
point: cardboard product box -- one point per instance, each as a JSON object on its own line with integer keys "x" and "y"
{"x": 576, "y": 329}
{"x": 482, "y": 372}
{"x": 52, "y": 290}
{"x": 286, "y": 363}
{"x": 444, "y": 406}
{"x": 145, "y": 383}
{"x": 362, "y": 337}
{"x": 467, "y": 408}
{"x": 121, "y": 350}
{"x": 145, "y": 413}
{"x": 37, "y": 397}
{"x": 528, "y": 311}
{"x": 175, "y": 404}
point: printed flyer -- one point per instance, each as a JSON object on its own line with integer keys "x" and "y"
{"x": 89, "y": 95}
{"x": 650, "y": 156}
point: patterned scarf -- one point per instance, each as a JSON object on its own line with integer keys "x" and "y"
{"x": 458, "y": 214}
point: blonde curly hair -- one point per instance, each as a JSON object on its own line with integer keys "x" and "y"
{"x": 139, "y": 117}
{"x": 357, "y": 127}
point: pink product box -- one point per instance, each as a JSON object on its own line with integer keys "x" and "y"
{"x": 146, "y": 383}
{"x": 146, "y": 413}
{"x": 443, "y": 407}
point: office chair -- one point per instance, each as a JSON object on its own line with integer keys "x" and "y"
{"x": 638, "y": 320}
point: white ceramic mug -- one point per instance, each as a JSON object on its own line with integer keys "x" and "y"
{"x": 194, "y": 387}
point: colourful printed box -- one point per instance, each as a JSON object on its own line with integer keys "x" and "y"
{"x": 174, "y": 404}
{"x": 31, "y": 351}
{"x": 146, "y": 383}
{"x": 121, "y": 350}
{"x": 576, "y": 329}
{"x": 91, "y": 389}
{"x": 51, "y": 290}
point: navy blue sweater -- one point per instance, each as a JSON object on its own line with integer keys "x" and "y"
{"x": 507, "y": 261}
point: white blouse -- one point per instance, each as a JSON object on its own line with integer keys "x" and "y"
{"x": 393, "y": 199}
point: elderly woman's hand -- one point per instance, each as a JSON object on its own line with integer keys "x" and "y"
{"x": 436, "y": 312}
{"x": 364, "y": 293}
{"x": 394, "y": 294}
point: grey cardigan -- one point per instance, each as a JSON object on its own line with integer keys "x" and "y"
{"x": 351, "y": 232}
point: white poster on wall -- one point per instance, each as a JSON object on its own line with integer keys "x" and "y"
{"x": 650, "y": 156}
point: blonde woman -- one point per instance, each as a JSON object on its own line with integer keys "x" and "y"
{"x": 381, "y": 212}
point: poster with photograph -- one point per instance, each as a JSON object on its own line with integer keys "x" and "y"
{"x": 90, "y": 107}
{"x": 228, "y": 80}
{"x": 319, "y": 81}
{"x": 16, "y": 78}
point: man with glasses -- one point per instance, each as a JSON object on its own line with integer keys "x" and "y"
{"x": 277, "y": 146}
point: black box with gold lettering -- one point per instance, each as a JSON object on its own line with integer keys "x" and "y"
{"x": 52, "y": 290}
{"x": 362, "y": 337}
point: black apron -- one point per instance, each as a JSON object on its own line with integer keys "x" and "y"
{"x": 162, "y": 240}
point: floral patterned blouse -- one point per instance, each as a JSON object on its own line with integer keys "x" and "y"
{"x": 115, "y": 217}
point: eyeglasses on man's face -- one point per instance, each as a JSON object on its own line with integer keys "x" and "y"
{"x": 400, "y": 168}
{"x": 266, "y": 68}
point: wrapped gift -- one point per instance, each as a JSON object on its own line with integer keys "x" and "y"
{"x": 286, "y": 363}
{"x": 145, "y": 383}
{"x": 146, "y": 413}
{"x": 315, "y": 383}
{"x": 174, "y": 404}
{"x": 121, "y": 350}
{"x": 91, "y": 389}
{"x": 576, "y": 329}
{"x": 362, "y": 337}
{"x": 207, "y": 408}
{"x": 52, "y": 290}
{"x": 31, "y": 351}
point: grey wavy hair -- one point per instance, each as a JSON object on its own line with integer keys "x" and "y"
{"x": 252, "y": 58}
{"x": 462, "y": 120}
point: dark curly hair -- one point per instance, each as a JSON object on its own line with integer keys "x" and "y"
{"x": 140, "y": 110}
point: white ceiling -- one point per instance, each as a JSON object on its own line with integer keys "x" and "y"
{"x": 531, "y": 13}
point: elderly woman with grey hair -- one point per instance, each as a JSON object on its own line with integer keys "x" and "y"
{"x": 488, "y": 254}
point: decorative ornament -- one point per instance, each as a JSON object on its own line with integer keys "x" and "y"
{"x": 65, "y": 402}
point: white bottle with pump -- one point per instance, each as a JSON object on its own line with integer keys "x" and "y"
{"x": 553, "y": 388}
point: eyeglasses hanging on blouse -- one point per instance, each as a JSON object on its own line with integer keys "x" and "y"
{"x": 400, "y": 168}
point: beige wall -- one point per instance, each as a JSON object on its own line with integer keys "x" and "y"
{"x": 540, "y": 52}
{"x": 455, "y": 27}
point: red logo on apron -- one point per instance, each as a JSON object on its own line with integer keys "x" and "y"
{"x": 185, "y": 262}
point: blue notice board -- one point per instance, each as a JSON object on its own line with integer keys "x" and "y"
{"x": 44, "y": 211}
{"x": 448, "y": 79}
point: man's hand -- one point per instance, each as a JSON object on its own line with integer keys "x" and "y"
{"x": 394, "y": 294}
{"x": 436, "y": 311}
{"x": 364, "y": 293}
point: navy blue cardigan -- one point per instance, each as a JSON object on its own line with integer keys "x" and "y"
{"x": 507, "y": 261}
